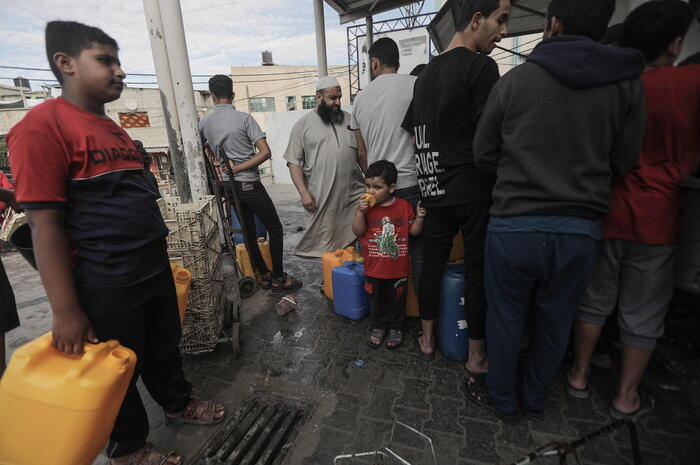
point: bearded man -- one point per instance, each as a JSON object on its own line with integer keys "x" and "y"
{"x": 322, "y": 160}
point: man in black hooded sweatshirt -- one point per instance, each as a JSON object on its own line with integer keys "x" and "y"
{"x": 554, "y": 131}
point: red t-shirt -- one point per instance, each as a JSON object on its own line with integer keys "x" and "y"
{"x": 385, "y": 243}
{"x": 5, "y": 184}
{"x": 64, "y": 157}
{"x": 645, "y": 205}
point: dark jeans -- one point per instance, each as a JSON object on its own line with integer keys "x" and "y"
{"x": 440, "y": 227}
{"x": 542, "y": 275}
{"x": 388, "y": 302}
{"x": 143, "y": 317}
{"x": 255, "y": 201}
{"x": 415, "y": 243}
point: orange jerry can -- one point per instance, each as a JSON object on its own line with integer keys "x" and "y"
{"x": 183, "y": 282}
{"x": 243, "y": 258}
{"x": 412, "y": 298}
{"x": 331, "y": 260}
{"x": 59, "y": 409}
{"x": 456, "y": 256}
{"x": 264, "y": 247}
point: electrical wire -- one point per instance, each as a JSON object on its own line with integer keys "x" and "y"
{"x": 309, "y": 72}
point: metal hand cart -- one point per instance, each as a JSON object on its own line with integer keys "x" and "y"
{"x": 225, "y": 197}
{"x": 388, "y": 455}
{"x": 563, "y": 449}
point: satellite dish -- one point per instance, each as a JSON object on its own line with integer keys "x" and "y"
{"x": 131, "y": 105}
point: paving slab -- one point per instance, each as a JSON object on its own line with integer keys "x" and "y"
{"x": 311, "y": 356}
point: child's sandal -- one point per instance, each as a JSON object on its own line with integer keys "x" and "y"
{"x": 376, "y": 338}
{"x": 395, "y": 339}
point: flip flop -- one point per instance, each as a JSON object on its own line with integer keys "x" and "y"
{"x": 576, "y": 393}
{"x": 646, "y": 405}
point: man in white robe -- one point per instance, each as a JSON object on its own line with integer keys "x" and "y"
{"x": 322, "y": 160}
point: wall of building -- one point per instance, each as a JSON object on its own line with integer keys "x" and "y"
{"x": 280, "y": 82}
{"x": 9, "y": 118}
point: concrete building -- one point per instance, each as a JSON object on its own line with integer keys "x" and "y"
{"x": 261, "y": 90}
{"x": 139, "y": 112}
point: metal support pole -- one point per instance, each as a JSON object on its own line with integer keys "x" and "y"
{"x": 320, "y": 38}
{"x": 370, "y": 31}
{"x": 167, "y": 96}
{"x": 181, "y": 75}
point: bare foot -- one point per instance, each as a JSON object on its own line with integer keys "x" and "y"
{"x": 426, "y": 343}
{"x": 628, "y": 403}
{"x": 148, "y": 455}
{"x": 576, "y": 379}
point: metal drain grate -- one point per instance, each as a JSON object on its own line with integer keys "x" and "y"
{"x": 255, "y": 435}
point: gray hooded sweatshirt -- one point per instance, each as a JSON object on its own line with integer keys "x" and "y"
{"x": 556, "y": 129}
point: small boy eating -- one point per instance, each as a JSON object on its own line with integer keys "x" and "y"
{"x": 384, "y": 222}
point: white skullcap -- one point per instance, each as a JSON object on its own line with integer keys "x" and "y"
{"x": 327, "y": 81}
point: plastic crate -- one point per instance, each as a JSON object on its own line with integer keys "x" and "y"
{"x": 204, "y": 292}
{"x": 200, "y": 258}
{"x": 189, "y": 223}
{"x": 202, "y": 327}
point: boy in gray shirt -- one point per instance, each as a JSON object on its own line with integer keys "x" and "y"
{"x": 239, "y": 135}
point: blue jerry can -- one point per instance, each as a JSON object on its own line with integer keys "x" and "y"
{"x": 453, "y": 334}
{"x": 350, "y": 298}
{"x": 260, "y": 230}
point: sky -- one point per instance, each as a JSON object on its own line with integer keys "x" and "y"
{"x": 220, "y": 33}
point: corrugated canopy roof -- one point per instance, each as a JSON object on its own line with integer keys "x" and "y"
{"x": 352, "y": 10}
{"x": 526, "y": 17}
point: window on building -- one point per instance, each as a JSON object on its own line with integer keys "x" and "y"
{"x": 258, "y": 104}
{"x": 134, "y": 120}
{"x": 291, "y": 103}
{"x": 308, "y": 102}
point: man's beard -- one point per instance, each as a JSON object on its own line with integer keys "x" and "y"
{"x": 330, "y": 115}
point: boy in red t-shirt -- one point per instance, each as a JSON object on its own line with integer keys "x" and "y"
{"x": 99, "y": 238}
{"x": 384, "y": 228}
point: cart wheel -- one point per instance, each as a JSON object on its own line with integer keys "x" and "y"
{"x": 235, "y": 313}
{"x": 246, "y": 286}
{"x": 236, "y": 339}
{"x": 229, "y": 313}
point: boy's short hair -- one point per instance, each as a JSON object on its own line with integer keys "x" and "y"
{"x": 386, "y": 51}
{"x": 654, "y": 25}
{"x": 466, "y": 9}
{"x": 382, "y": 169}
{"x": 71, "y": 38}
{"x": 221, "y": 86}
{"x": 580, "y": 18}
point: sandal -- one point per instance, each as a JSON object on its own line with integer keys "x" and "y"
{"x": 478, "y": 394}
{"x": 576, "y": 393}
{"x": 147, "y": 455}
{"x": 425, "y": 356}
{"x": 197, "y": 412}
{"x": 473, "y": 378}
{"x": 646, "y": 405}
{"x": 376, "y": 338}
{"x": 394, "y": 340}
{"x": 266, "y": 281}
{"x": 280, "y": 284}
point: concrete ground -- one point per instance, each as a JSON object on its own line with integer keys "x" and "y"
{"x": 353, "y": 393}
